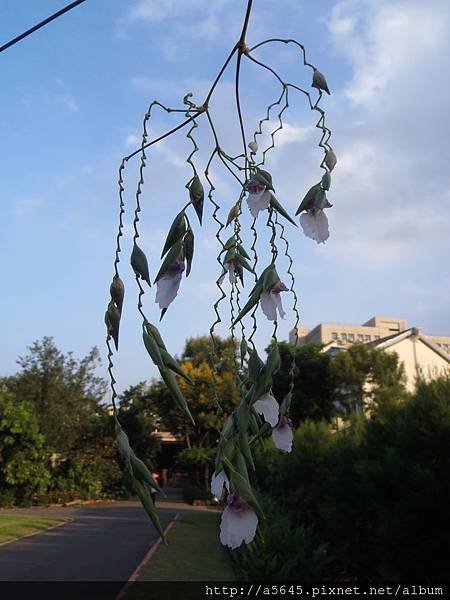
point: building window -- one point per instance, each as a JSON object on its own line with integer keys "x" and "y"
{"x": 334, "y": 336}
{"x": 360, "y": 337}
{"x": 344, "y": 337}
{"x": 367, "y": 338}
{"x": 351, "y": 337}
{"x": 376, "y": 337}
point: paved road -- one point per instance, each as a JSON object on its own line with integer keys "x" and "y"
{"x": 102, "y": 543}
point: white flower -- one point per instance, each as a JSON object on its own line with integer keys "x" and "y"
{"x": 253, "y": 147}
{"x": 258, "y": 198}
{"x": 217, "y": 483}
{"x": 167, "y": 286}
{"x": 271, "y": 301}
{"x": 228, "y": 267}
{"x": 269, "y": 408}
{"x": 283, "y": 435}
{"x": 315, "y": 225}
{"x": 238, "y": 524}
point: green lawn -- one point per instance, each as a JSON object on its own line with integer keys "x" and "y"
{"x": 13, "y": 527}
{"x": 194, "y": 552}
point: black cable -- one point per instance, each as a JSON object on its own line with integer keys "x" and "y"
{"x": 41, "y": 24}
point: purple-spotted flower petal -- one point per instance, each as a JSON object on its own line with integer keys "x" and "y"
{"x": 271, "y": 301}
{"x": 315, "y": 225}
{"x": 258, "y": 198}
{"x": 283, "y": 435}
{"x": 167, "y": 287}
{"x": 269, "y": 408}
{"x": 238, "y": 523}
{"x": 217, "y": 482}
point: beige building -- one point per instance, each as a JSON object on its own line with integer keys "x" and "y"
{"x": 339, "y": 336}
{"x": 422, "y": 355}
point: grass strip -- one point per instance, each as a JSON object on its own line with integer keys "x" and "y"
{"x": 194, "y": 552}
{"x": 13, "y": 527}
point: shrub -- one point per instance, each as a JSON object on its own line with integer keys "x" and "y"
{"x": 369, "y": 501}
{"x": 193, "y": 492}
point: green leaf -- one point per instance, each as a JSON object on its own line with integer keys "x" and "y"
{"x": 189, "y": 249}
{"x": 153, "y": 349}
{"x": 239, "y": 271}
{"x": 117, "y": 291}
{"x": 123, "y": 445}
{"x": 140, "y": 264}
{"x": 280, "y": 210}
{"x": 255, "y": 364}
{"x": 253, "y": 300}
{"x": 273, "y": 362}
{"x": 227, "y": 448}
{"x": 171, "y": 257}
{"x": 286, "y": 404}
{"x": 153, "y": 331}
{"x": 230, "y": 255}
{"x": 144, "y": 497}
{"x": 233, "y": 212}
{"x": 242, "y": 416}
{"x": 112, "y": 321}
{"x": 259, "y": 284}
{"x": 241, "y": 464}
{"x": 197, "y": 195}
{"x": 175, "y": 391}
{"x": 263, "y": 177}
{"x": 176, "y": 232}
{"x": 308, "y": 200}
{"x": 230, "y": 243}
{"x": 326, "y": 181}
{"x": 320, "y": 199}
{"x": 141, "y": 472}
{"x": 244, "y": 263}
{"x": 242, "y": 251}
{"x": 228, "y": 427}
{"x": 173, "y": 365}
{"x": 270, "y": 278}
{"x": 243, "y": 350}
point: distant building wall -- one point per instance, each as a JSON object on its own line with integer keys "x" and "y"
{"x": 418, "y": 360}
{"x": 342, "y": 335}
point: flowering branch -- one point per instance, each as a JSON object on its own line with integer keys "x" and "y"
{"x": 259, "y": 414}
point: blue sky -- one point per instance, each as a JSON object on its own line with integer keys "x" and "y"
{"x": 73, "y": 97}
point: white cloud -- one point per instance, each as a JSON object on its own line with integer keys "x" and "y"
{"x": 132, "y": 141}
{"x": 387, "y": 41}
{"x": 290, "y": 134}
{"x": 157, "y": 11}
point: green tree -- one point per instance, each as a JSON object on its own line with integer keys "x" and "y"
{"x": 139, "y": 419}
{"x": 314, "y": 382}
{"x": 371, "y": 499}
{"x": 367, "y": 377}
{"x": 203, "y": 395}
{"x": 24, "y": 460}
{"x": 65, "y": 392}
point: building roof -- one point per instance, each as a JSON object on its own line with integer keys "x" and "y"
{"x": 395, "y": 338}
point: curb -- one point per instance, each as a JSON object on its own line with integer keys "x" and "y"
{"x": 28, "y": 535}
{"x": 133, "y": 577}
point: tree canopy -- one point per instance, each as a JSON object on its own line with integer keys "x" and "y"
{"x": 65, "y": 392}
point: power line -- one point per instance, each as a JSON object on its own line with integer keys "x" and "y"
{"x": 41, "y": 24}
